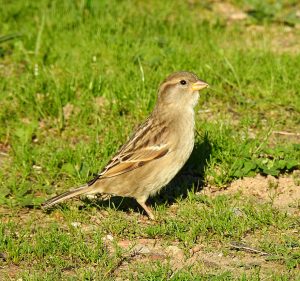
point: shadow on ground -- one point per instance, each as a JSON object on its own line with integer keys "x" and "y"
{"x": 191, "y": 177}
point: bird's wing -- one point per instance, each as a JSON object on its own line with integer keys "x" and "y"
{"x": 127, "y": 162}
{"x": 147, "y": 144}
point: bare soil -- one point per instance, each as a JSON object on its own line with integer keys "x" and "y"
{"x": 282, "y": 192}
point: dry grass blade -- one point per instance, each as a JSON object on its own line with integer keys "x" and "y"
{"x": 244, "y": 247}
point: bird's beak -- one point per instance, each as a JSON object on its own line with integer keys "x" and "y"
{"x": 199, "y": 85}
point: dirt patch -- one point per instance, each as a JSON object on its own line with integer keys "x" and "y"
{"x": 229, "y": 11}
{"x": 9, "y": 272}
{"x": 146, "y": 250}
{"x": 282, "y": 192}
{"x": 282, "y": 39}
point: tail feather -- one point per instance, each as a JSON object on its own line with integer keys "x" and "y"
{"x": 66, "y": 195}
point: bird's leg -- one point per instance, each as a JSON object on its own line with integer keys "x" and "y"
{"x": 147, "y": 209}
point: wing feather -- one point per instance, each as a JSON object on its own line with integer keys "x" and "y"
{"x": 147, "y": 144}
{"x": 136, "y": 160}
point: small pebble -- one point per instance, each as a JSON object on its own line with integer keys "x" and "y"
{"x": 75, "y": 224}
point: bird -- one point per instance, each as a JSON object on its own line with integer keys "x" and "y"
{"x": 155, "y": 152}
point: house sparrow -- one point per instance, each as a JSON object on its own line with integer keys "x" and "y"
{"x": 156, "y": 151}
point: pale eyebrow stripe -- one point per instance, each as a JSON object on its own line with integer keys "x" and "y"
{"x": 167, "y": 85}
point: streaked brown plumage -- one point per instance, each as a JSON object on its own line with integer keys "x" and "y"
{"x": 156, "y": 151}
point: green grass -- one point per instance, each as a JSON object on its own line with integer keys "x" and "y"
{"x": 62, "y": 246}
{"x": 77, "y": 76}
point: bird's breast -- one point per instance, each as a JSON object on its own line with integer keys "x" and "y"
{"x": 184, "y": 135}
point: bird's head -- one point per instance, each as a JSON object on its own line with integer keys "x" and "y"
{"x": 180, "y": 89}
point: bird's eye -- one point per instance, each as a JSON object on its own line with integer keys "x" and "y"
{"x": 182, "y": 82}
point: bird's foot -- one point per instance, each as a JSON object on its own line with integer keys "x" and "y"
{"x": 147, "y": 210}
